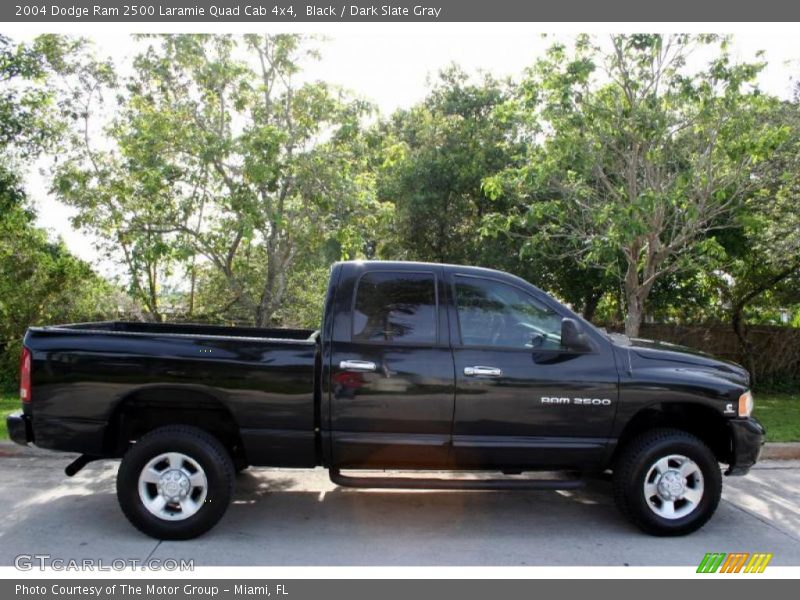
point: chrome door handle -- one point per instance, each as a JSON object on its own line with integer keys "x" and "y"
{"x": 358, "y": 365}
{"x": 478, "y": 371}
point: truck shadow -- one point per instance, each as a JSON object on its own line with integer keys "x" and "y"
{"x": 297, "y": 517}
{"x": 285, "y": 517}
{"x": 285, "y": 504}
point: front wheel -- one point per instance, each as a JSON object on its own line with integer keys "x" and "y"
{"x": 667, "y": 482}
{"x": 175, "y": 483}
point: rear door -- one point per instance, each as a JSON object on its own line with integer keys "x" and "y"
{"x": 392, "y": 387}
{"x": 522, "y": 400}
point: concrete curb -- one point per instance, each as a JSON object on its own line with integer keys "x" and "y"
{"x": 781, "y": 451}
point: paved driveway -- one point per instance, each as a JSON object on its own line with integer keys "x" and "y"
{"x": 283, "y": 517}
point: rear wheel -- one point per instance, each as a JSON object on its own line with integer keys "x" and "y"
{"x": 175, "y": 483}
{"x": 667, "y": 482}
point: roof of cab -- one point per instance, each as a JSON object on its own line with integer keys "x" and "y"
{"x": 466, "y": 269}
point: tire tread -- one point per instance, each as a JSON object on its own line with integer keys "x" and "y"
{"x": 624, "y": 469}
{"x": 219, "y": 455}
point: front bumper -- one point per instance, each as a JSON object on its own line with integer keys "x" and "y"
{"x": 747, "y": 436}
{"x": 19, "y": 428}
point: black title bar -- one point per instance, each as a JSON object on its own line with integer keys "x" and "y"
{"x": 265, "y": 11}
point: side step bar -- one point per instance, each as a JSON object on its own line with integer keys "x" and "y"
{"x": 434, "y": 483}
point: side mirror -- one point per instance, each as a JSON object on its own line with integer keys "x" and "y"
{"x": 573, "y": 337}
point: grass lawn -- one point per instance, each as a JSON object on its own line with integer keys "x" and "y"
{"x": 779, "y": 412}
{"x": 9, "y": 402}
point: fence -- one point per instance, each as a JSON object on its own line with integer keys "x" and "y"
{"x": 775, "y": 353}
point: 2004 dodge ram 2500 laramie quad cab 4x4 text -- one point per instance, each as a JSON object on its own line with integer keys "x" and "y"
{"x": 422, "y": 367}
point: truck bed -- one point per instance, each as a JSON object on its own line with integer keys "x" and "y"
{"x": 88, "y": 376}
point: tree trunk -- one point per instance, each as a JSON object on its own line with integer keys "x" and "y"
{"x": 192, "y": 287}
{"x": 194, "y": 259}
{"x": 279, "y": 258}
{"x": 737, "y": 315}
{"x": 633, "y": 316}
{"x": 263, "y": 312}
{"x": 265, "y": 306}
{"x": 152, "y": 289}
{"x": 634, "y": 299}
{"x": 590, "y": 302}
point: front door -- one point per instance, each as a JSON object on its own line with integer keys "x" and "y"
{"x": 392, "y": 384}
{"x": 522, "y": 400}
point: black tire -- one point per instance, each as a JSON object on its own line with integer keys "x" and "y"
{"x": 202, "y": 448}
{"x": 633, "y": 466}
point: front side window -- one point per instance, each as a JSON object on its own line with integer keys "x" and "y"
{"x": 491, "y": 313}
{"x": 395, "y": 306}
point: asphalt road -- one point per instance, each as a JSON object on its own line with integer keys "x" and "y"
{"x": 284, "y": 517}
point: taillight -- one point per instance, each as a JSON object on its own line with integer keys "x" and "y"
{"x": 25, "y": 375}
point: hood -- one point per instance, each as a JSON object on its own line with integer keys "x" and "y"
{"x": 652, "y": 350}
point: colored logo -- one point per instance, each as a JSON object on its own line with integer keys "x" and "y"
{"x": 735, "y": 562}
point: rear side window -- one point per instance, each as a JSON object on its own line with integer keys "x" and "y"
{"x": 395, "y": 306}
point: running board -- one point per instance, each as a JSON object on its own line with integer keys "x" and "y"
{"x": 433, "y": 483}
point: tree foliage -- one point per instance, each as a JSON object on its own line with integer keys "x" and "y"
{"x": 759, "y": 274}
{"x": 640, "y": 159}
{"x": 221, "y": 153}
{"x": 40, "y": 280}
{"x": 643, "y": 176}
{"x": 432, "y": 159}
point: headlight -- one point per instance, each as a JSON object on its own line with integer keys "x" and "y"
{"x": 745, "y": 404}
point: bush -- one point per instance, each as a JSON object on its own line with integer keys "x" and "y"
{"x": 40, "y": 280}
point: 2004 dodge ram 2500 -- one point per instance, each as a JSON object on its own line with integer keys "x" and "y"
{"x": 416, "y": 367}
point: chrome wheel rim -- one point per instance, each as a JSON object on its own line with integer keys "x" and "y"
{"x": 173, "y": 486}
{"x": 674, "y": 486}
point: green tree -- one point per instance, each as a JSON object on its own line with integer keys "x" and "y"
{"x": 29, "y": 112}
{"x": 760, "y": 271}
{"x": 432, "y": 160}
{"x": 640, "y": 158}
{"x": 40, "y": 281}
{"x": 219, "y": 152}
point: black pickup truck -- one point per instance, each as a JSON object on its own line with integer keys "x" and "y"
{"x": 416, "y": 367}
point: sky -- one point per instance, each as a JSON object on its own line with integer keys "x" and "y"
{"x": 392, "y": 70}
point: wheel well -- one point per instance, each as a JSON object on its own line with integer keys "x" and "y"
{"x": 701, "y": 421}
{"x": 149, "y": 409}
